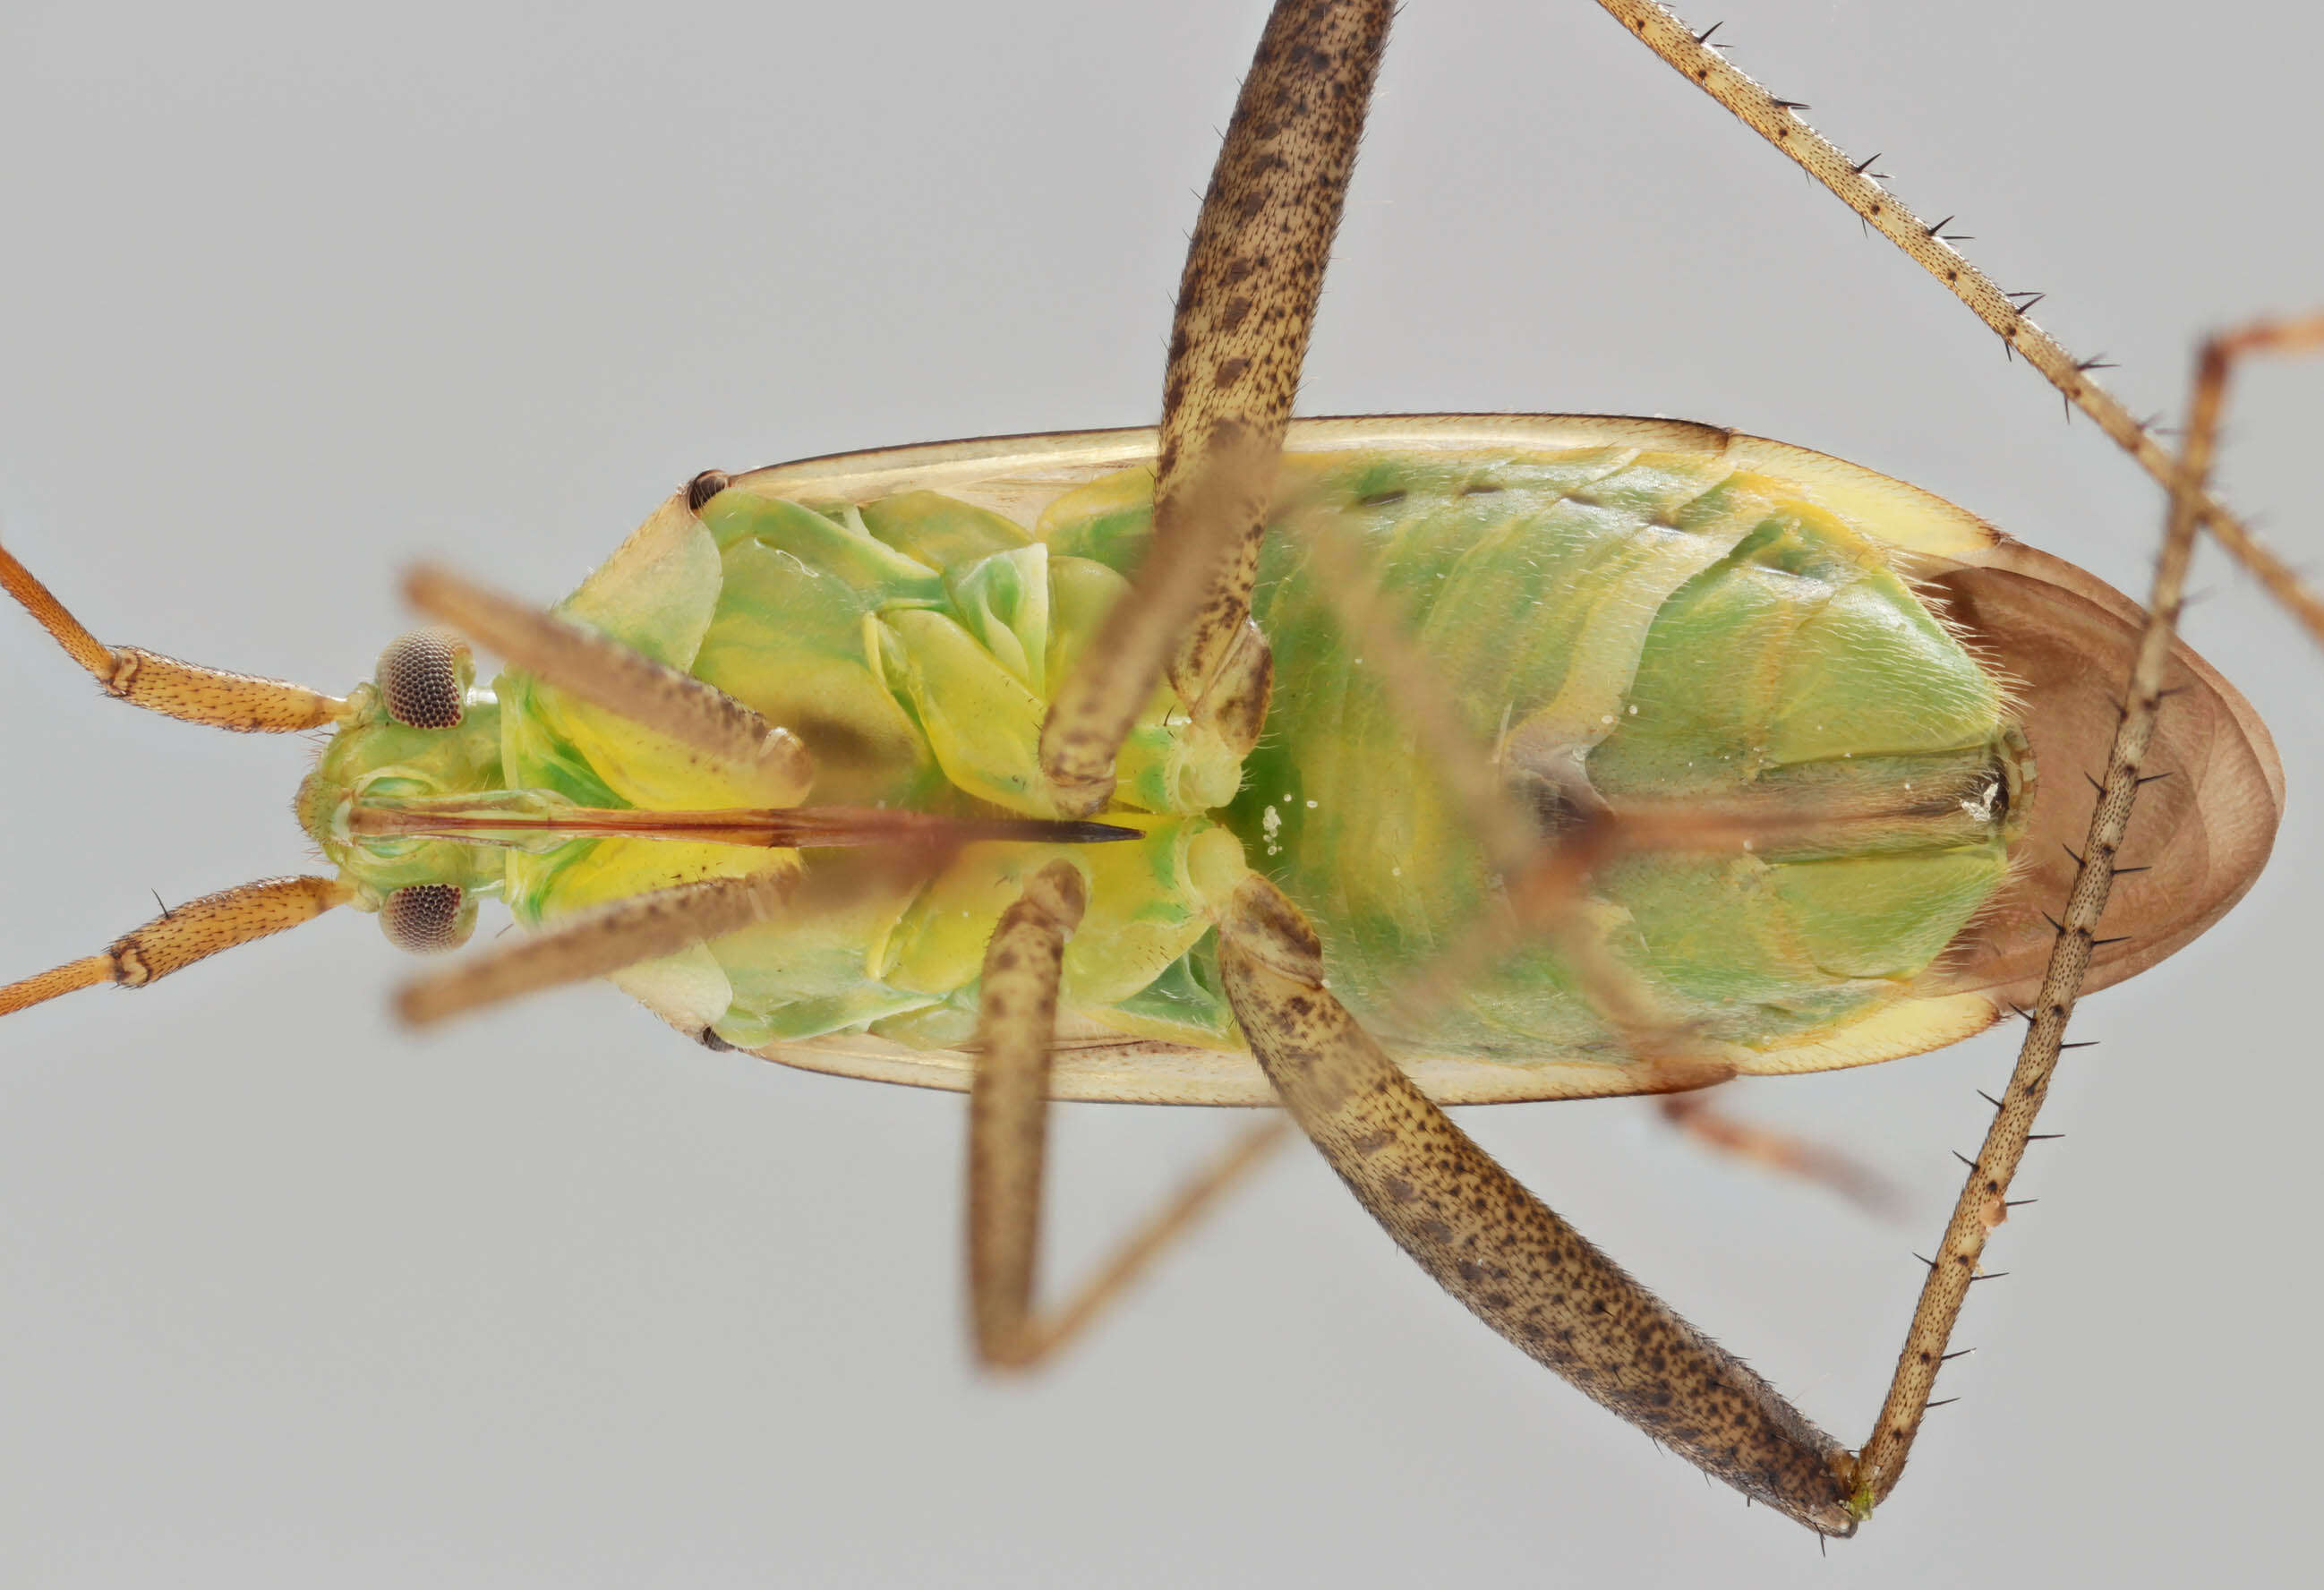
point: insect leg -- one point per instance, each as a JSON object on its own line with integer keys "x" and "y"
{"x": 1499, "y": 1249}
{"x": 1007, "y": 1116}
{"x": 773, "y": 764}
{"x": 640, "y": 928}
{"x": 1778, "y": 121}
{"x": 1246, "y": 304}
{"x": 1696, "y": 1116}
{"x": 1980, "y": 1206}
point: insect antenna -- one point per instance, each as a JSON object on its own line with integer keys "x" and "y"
{"x": 188, "y": 690}
{"x": 182, "y": 935}
{"x": 220, "y": 699}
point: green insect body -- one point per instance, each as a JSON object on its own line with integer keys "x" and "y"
{"x": 1619, "y": 626}
{"x": 1631, "y": 629}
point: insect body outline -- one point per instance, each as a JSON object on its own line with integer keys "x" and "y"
{"x": 189, "y": 647}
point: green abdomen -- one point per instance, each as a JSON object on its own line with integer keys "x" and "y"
{"x": 1618, "y": 629}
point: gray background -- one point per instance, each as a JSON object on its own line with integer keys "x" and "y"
{"x": 288, "y": 298}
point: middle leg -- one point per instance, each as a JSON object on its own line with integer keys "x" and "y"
{"x": 1008, "y": 1140}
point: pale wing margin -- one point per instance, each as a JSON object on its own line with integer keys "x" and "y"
{"x": 1020, "y": 475}
{"x": 1107, "y": 1068}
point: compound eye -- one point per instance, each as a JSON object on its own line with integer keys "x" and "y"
{"x": 428, "y": 919}
{"x": 423, "y": 679}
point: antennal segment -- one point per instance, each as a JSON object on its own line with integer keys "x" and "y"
{"x": 238, "y": 701}
{"x": 194, "y": 931}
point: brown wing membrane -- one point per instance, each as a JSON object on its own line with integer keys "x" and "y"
{"x": 2202, "y": 830}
